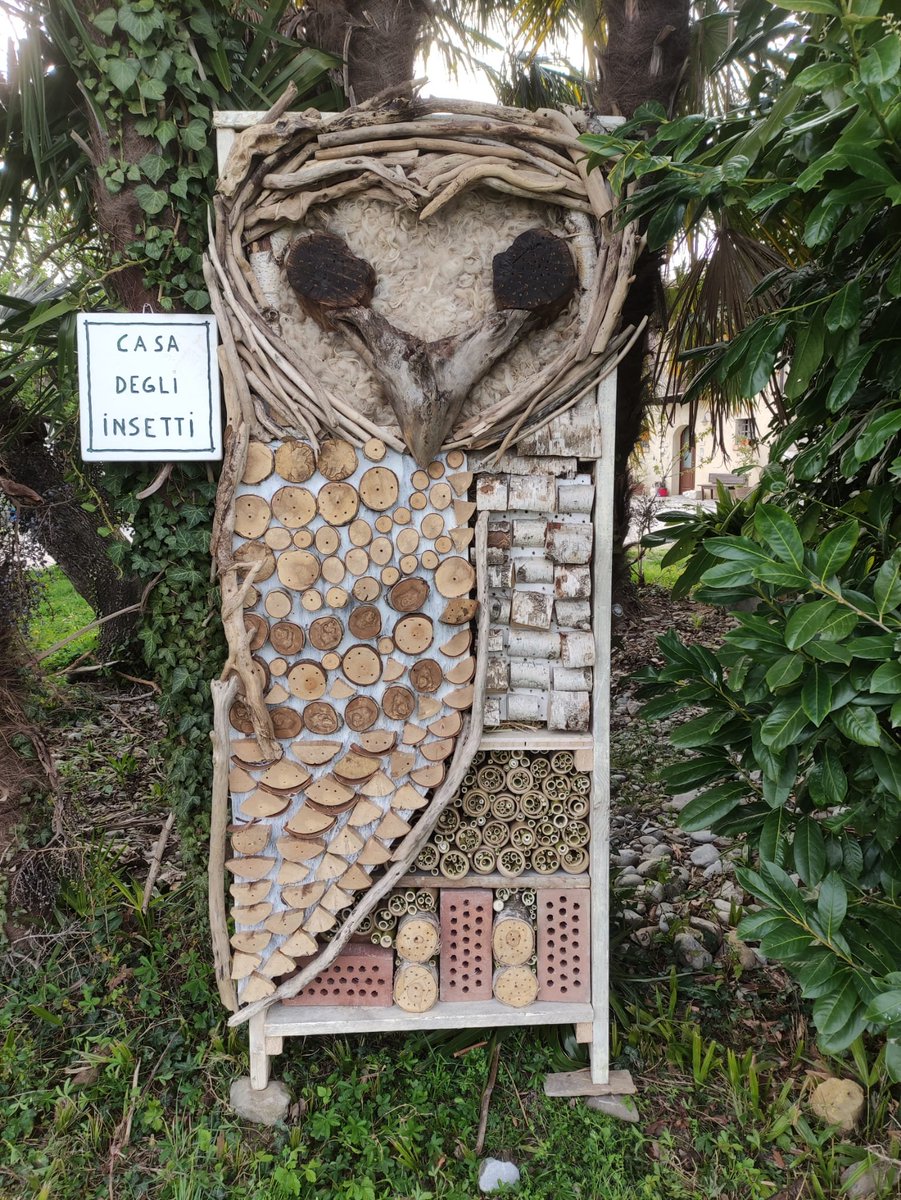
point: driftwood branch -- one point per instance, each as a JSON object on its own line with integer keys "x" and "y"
{"x": 223, "y": 695}
{"x": 156, "y": 862}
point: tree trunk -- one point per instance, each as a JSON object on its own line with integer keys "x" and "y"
{"x": 376, "y": 39}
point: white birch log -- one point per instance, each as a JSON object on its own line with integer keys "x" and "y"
{"x": 533, "y": 570}
{"x": 571, "y": 679}
{"x": 529, "y": 535}
{"x": 569, "y": 542}
{"x": 497, "y": 679}
{"x": 527, "y": 706}
{"x": 577, "y": 649}
{"x": 570, "y": 711}
{"x": 572, "y": 614}
{"x": 500, "y": 576}
{"x": 493, "y": 712}
{"x": 499, "y": 608}
{"x": 531, "y": 610}
{"x": 572, "y": 583}
{"x": 532, "y": 493}
{"x": 530, "y": 673}
{"x": 491, "y": 493}
{"x": 527, "y": 643}
{"x": 574, "y": 497}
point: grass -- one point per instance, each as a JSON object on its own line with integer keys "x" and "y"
{"x": 60, "y": 612}
{"x": 655, "y": 574}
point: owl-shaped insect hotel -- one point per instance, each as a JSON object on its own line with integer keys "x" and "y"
{"x": 420, "y": 311}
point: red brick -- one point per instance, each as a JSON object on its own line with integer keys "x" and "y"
{"x": 465, "y": 964}
{"x": 564, "y": 945}
{"x": 361, "y": 976}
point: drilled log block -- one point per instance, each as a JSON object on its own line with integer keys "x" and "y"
{"x": 531, "y": 610}
{"x": 528, "y": 643}
{"x": 529, "y": 535}
{"x": 536, "y": 273}
{"x": 577, "y": 649}
{"x": 569, "y": 711}
{"x": 515, "y": 986}
{"x": 418, "y": 937}
{"x": 532, "y": 493}
{"x": 533, "y": 570}
{"x": 415, "y": 987}
{"x": 530, "y": 673}
{"x": 513, "y": 936}
{"x": 492, "y": 493}
{"x": 572, "y": 583}
{"x": 568, "y": 542}
{"x": 572, "y": 614}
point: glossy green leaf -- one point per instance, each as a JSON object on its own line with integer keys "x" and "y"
{"x": 887, "y": 586}
{"x": 780, "y": 533}
{"x": 859, "y": 724}
{"x": 809, "y": 346}
{"x": 832, "y": 903}
{"x": 847, "y": 378}
{"x": 709, "y": 807}
{"x": 809, "y": 851}
{"x": 786, "y": 941}
{"x": 836, "y": 548}
{"x": 816, "y": 694}
{"x": 784, "y": 724}
{"x": 882, "y": 61}
{"x": 826, "y": 780}
{"x": 785, "y": 671}
{"x": 887, "y": 678}
{"x": 806, "y": 621}
{"x": 888, "y": 768}
{"x": 844, "y": 310}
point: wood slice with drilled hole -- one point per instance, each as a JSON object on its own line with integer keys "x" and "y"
{"x": 300, "y": 944}
{"x": 427, "y": 707}
{"x": 332, "y": 866}
{"x": 361, "y": 713}
{"x": 365, "y": 622}
{"x": 336, "y": 597}
{"x": 286, "y": 637}
{"x": 513, "y": 937}
{"x": 441, "y": 496}
{"x": 362, "y": 665}
{"x": 392, "y": 826}
{"x": 407, "y": 797}
{"x": 462, "y": 672}
{"x": 409, "y": 563}
{"x": 252, "y": 914}
{"x": 373, "y": 854}
{"x": 299, "y": 849}
{"x": 320, "y": 718}
{"x": 398, "y": 703}
{"x": 430, "y": 776}
{"x": 326, "y": 633}
{"x": 415, "y": 987}
{"x": 337, "y": 459}
{"x": 252, "y": 515}
{"x": 401, "y": 762}
{"x": 516, "y": 986}
{"x": 251, "y": 941}
{"x": 366, "y": 588}
{"x": 294, "y": 506}
{"x": 250, "y": 868}
{"x": 458, "y": 612}
{"x": 278, "y": 603}
{"x": 413, "y": 735}
{"x": 338, "y": 503}
{"x": 418, "y": 501}
{"x": 320, "y": 921}
{"x": 261, "y": 670}
{"x": 329, "y": 792}
{"x": 378, "y": 786}
{"x": 263, "y": 804}
{"x": 302, "y": 539}
{"x": 379, "y": 742}
{"x": 286, "y": 722}
{"x": 250, "y": 839}
{"x": 327, "y": 540}
{"x": 413, "y": 634}
{"x": 409, "y": 595}
{"x": 277, "y": 538}
{"x": 437, "y": 751}
{"x": 314, "y": 754}
{"x": 284, "y": 923}
{"x": 309, "y": 822}
{"x": 354, "y": 767}
{"x": 250, "y": 893}
{"x": 359, "y": 532}
{"x": 379, "y": 488}
{"x": 285, "y": 776}
{"x": 298, "y": 569}
{"x": 380, "y": 551}
{"x": 425, "y": 675}
{"x": 255, "y": 554}
{"x": 311, "y": 600}
{"x": 302, "y": 895}
{"x": 454, "y": 577}
{"x": 258, "y": 465}
{"x": 295, "y": 461}
{"x": 458, "y": 644}
{"x": 389, "y": 576}
{"x": 333, "y": 569}
{"x": 306, "y": 680}
{"x": 375, "y": 449}
{"x": 364, "y": 813}
{"x": 447, "y": 727}
{"x": 346, "y": 842}
{"x": 418, "y": 936}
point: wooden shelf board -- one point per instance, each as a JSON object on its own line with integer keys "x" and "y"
{"x": 528, "y": 879}
{"x": 302, "y": 1020}
{"x": 535, "y": 739}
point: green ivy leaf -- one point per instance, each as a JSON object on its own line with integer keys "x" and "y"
{"x": 153, "y": 166}
{"x": 123, "y": 72}
{"x": 140, "y": 25}
{"x": 105, "y": 21}
{"x": 150, "y": 199}
{"x": 195, "y": 135}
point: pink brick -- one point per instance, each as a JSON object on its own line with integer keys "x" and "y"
{"x": 564, "y": 945}
{"x": 465, "y": 963}
{"x": 362, "y": 975}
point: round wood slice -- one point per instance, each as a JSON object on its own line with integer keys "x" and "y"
{"x": 441, "y": 496}
{"x": 420, "y": 480}
{"x": 258, "y": 628}
{"x": 389, "y": 576}
{"x": 454, "y": 577}
{"x": 462, "y": 672}
{"x": 418, "y": 501}
{"x": 429, "y": 560}
{"x": 294, "y": 506}
{"x": 333, "y": 569}
{"x": 386, "y": 645}
{"x": 286, "y": 722}
{"x": 251, "y": 598}
{"x": 261, "y": 670}
{"x": 277, "y": 538}
{"x": 359, "y": 532}
{"x": 432, "y": 526}
{"x": 426, "y": 675}
{"x": 435, "y": 469}
{"x": 303, "y": 539}
{"x": 337, "y": 459}
{"x": 307, "y": 680}
{"x": 443, "y": 544}
{"x": 326, "y": 633}
{"x": 415, "y": 987}
{"x": 336, "y": 597}
{"x": 252, "y": 553}
{"x": 402, "y": 516}
{"x": 516, "y": 986}
{"x": 321, "y": 718}
{"x": 295, "y": 461}
{"x": 338, "y": 503}
{"x": 398, "y": 703}
{"x": 239, "y": 717}
{"x": 383, "y": 524}
{"x": 356, "y": 560}
{"x": 298, "y": 569}
{"x": 286, "y": 637}
{"x": 413, "y": 634}
{"x": 252, "y": 514}
{"x": 259, "y": 463}
{"x": 331, "y": 661}
{"x": 362, "y": 665}
{"x": 379, "y": 488}
{"x": 263, "y": 804}
{"x": 365, "y": 622}
{"x": 513, "y": 939}
{"x": 375, "y": 449}
{"x": 311, "y": 600}
{"x": 407, "y": 541}
{"x": 409, "y": 595}
{"x": 314, "y": 754}
{"x": 409, "y": 563}
{"x": 380, "y": 551}
{"x": 366, "y": 588}
{"x": 417, "y": 937}
{"x": 278, "y": 666}
{"x": 361, "y": 713}
{"x": 327, "y": 540}
{"x": 455, "y": 459}
{"x": 447, "y": 727}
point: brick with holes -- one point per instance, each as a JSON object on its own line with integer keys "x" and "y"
{"x": 465, "y": 965}
{"x": 362, "y": 975}
{"x": 564, "y": 957}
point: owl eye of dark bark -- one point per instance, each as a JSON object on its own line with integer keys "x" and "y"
{"x": 327, "y": 276}
{"x": 535, "y": 273}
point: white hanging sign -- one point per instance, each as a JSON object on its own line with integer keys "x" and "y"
{"x": 149, "y": 387}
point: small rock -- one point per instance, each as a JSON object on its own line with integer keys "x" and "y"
{"x": 648, "y": 868}
{"x": 644, "y": 937}
{"x": 627, "y": 858}
{"x": 495, "y": 1172}
{"x": 664, "y": 923}
{"x": 691, "y": 953}
{"x": 838, "y": 1102}
{"x": 660, "y": 851}
{"x": 702, "y": 837}
{"x": 628, "y": 879}
{"x": 631, "y": 917}
{"x": 621, "y": 1107}
{"x": 678, "y": 802}
{"x": 703, "y": 856}
{"x": 715, "y": 868}
{"x": 874, "y": 1181}
{"x": 657, "y": 892}
{"x": 648, "y": 839}
{"x": 747, "y": 956}
{"x": 266, "y": 1106}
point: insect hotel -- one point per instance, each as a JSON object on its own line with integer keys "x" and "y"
{"x": 420, "y": 311}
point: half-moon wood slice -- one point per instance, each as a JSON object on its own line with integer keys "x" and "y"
{"x": 250, "y": 839}
{"x": 303, "y": 895}
{"x": 341, "y": 689}
{"x": 337, "y": 459}
{"x": 335, "y": 899}
{"x": 393, "y": 670}
{"x": 250, "y": 893}
{"x": 282, "y": 924}
{"x": 365, "y": 622}
{"x": 331, "y": 867}
{"x": 375, "y": 449}
{"x": 250, "y": 868}
{"x": 398, "y": 703}
{"x": 392, "y": 826}
{"x": 461, "y": 698}
{"x": 459, "y": 612}
{"x": 299, "y": 945}
{"x": 413, "y": 634}
{"x": 355, "y": 879}
{"x": 346, "y": 842}
{"x": 379, "y": 785}
{"x": 329, "y": 792}
{"x": 435, "y": 752}
{"x": 286, "y": 637}
{"x": 308, "y": 822}
{"x": 380, "y": 741}
{"x": 362, "y": 665}
{"x": 407, "y": 797}
{"x": 361, "y": 713}
{"x": 306, "y": 680}
{"x": 354, "y": 768}
{"x": 413, "y": 735}
{"x": 256, "y": 554}
{"x": 409, "y": 595}
{"x": 460, "y": 482}
{"x": 462, "y": 537}
{"x": 379, "y": 488}
{"x": 458, "y": 644}
{"x": 294, "y": 506}
{"x": 401, "y": 762}
{"x": 462, "y": 672}
{"x": 314, "y": 754}
{"x": 320, "y": 921}
{"x": 454, "y": 577}
{"x": 295, "y": 461}
{"x": 463, "y": 510}
{"x": 252, "y": 515}
{"x": 447, "y": 727}
{"x": 259, "y": 463}
{"x": 425, "y": 675}
{"x": 285, "y": 776}
{"x": 276, "y": 964}
{"x": 320, "y": 718}
{"x": 298, "y": 569}
{"x": 373, "y": 854}
{"x": 292, "y": 873}
{"x": 276, "y": 695}
{"x": 364, "y": 813}
{"x": 326, "y": 633}
{"x": 244, "y": 965}
{"x": 300, "y": 850}
{"x": 338, "y": 503}
{"x": 256, "y": 988}
{"x": 252, "y": 914}
{"x": 429, "y": 776}
{"x": 427, "y": 707}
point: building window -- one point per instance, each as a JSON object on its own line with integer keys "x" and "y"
{"x": 745, "y": 429}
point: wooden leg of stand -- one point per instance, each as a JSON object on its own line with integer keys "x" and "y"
{"x": 259, "y": 1056}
